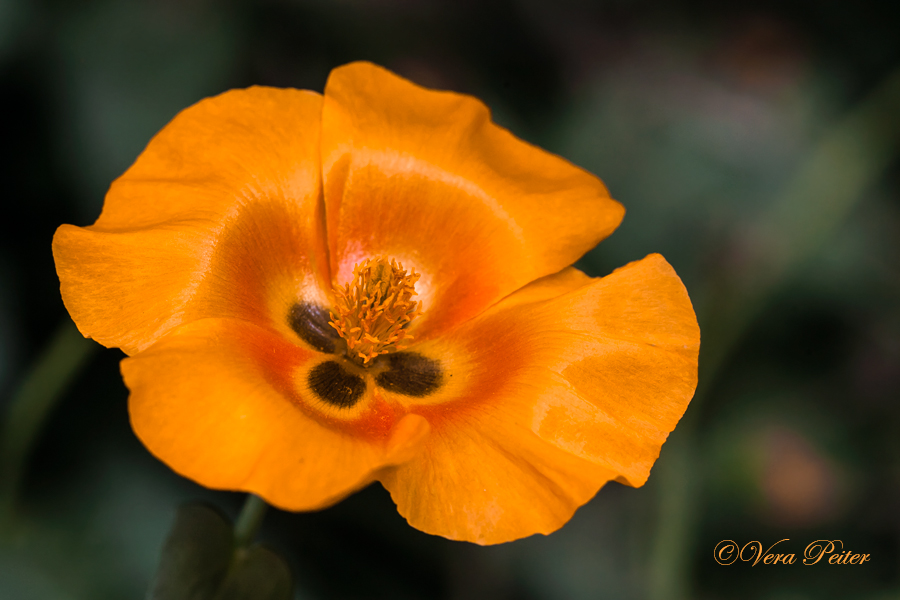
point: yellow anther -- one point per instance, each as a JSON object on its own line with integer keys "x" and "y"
{"x": 375, "y": 308}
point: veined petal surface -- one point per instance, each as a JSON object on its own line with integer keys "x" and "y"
{"x": 220, "y": 216}
{"x": 526, "y": 385}
{"x": 425, "y": 177}
{"x": 547, "y": 398}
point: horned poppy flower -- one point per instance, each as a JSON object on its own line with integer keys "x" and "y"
{"x": 319, "y": 291}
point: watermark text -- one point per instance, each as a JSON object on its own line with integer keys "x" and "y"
{"x": 832, "y": 552}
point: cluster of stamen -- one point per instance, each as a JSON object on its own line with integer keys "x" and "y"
{"x": 375, "y": 308}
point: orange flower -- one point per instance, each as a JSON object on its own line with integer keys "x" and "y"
{"x": 317, "y": 292}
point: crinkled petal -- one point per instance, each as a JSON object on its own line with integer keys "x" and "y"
{"x": 545, "y": 400}
{"x": 425, "y": 177}
{"x": 220, "y": 216}
{"x": 220, "y": 401}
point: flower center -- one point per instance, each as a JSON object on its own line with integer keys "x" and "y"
{"x": 375, "y": 308}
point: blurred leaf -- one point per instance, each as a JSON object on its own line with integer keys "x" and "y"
{"x": 257, "y": 574}
{"x": 195, "y": 557}
{"x": 34, "y": 400}
{"x": 200, "y": 562}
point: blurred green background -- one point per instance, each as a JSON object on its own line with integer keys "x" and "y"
{"x": 753, "y": 144}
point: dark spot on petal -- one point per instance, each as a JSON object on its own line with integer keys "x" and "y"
{"x": 310, "y": 322}
{"x": 334, "y": 385}
{"x": 410, "y": 374}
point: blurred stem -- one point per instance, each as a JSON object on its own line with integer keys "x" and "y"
{"x": 849, "y": 159}
{"x": 249, "y": 520}
{"x": 31, "y": 404}
{"x": 675, "y": 519}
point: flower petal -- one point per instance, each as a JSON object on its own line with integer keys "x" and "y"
{"x": 222, "y": 206}
{"x": 547, "y": 400}
{"x": 216, "y": 401}
{"x": 427, "y": 178}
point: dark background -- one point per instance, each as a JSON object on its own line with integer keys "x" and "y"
{"x": 705, "y": 119}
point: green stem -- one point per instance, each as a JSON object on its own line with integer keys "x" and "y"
{"x": 670, "y": 554}
{"x": 248, "y": 522}
{"x": 31, "y": 404}
{"x": 827, "y": 186}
